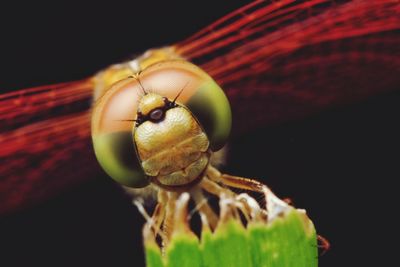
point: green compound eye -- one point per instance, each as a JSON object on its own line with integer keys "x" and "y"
{"x": 114, "y": 112}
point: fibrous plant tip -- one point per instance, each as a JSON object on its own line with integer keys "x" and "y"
{"x": 245, "y": 233}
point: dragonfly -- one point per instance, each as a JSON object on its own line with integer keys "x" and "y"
{"x": 276, "y": 60}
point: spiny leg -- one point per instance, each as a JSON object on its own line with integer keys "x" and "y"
{"x": 228, "y": 209}
{"x": 234, "y": 181}
{"x": 244, "y": 202}
{"x": 214, "y": 188}
{"x": 252, "y": 207}
{"x": 181, "y": 224}
{"x": 204, "y": 208}
{"x": 153, "y": 224}
{"x": 222, "y": 193}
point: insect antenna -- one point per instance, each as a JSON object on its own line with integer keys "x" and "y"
{"x": 136, "y": 77}
{"x": 180, "y": 92}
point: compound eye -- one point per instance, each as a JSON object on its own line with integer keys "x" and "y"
{"x": 156, "y": 115}
{"x": 196, "y": 90}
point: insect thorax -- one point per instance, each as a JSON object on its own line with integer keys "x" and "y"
{"x": 173, "y": 152}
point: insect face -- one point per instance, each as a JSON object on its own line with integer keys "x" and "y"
{"x": 171, "y": 145}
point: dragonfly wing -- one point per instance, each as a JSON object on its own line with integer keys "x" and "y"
{"x": 44, "y": 158}
{"x": 45, "y": 142}
{"x": 286, "y": 59}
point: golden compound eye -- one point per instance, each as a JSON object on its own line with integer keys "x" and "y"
{"x": 114, "y": 114}
{"x": 156, "y": 115}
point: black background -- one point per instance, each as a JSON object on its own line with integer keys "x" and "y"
{"x": 340, "y": 164}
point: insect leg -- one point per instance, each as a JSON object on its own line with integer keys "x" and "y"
{"x": 203, "y": 207}
{"x": 246, "y": 204}
{"x": 213, "y": 188}
{"x": 159, "y": 211}
{"x": 168, "y": 225}
{"x": 181, "y": 224}
{"x": 234, "y": 181}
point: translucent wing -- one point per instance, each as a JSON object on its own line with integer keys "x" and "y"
{"x": 276, "y": 61}
{"x": 45, "y": 142}
{"x": 286, "y": 59}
